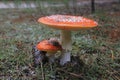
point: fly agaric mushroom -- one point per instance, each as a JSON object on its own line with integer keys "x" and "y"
{"x": 50, "y": 46}
{"x": 67, "y": 23}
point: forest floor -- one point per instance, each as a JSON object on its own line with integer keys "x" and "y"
{"x": 95, "y": 53}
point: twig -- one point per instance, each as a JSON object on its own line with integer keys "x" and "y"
{"x": 43, "y": 75}
{"x": 112, "y": 55}
{"x": 73, "y": 74}
{"x": 51, "y": 68}
{"x": 115, "y": 77}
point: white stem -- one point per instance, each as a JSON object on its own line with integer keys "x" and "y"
{"x": 67, "y": 46}
{"x": 52, "y": 59}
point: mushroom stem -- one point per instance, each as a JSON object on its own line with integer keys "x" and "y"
{"x": 67, "y": 46}
{"x": 52, "y": 59}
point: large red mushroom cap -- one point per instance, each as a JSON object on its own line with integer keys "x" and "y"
{"x": 46, "y": 45}
{"x": 68, "y": 22}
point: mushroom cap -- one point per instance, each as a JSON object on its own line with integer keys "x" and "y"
{"x": 67, "y": 22}
{"x": 45, "y": 45}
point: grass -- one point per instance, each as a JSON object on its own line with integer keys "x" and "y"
{"x": 98, "y": 49}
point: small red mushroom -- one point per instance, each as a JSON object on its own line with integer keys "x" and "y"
{"x": 50, "y": 46}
